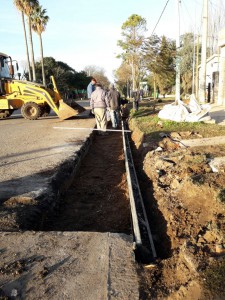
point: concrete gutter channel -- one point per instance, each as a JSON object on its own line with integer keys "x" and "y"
{"x": 65, "y": 265}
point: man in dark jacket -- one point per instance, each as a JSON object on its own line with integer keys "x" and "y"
{"x": 136, "y": 96}
{"x": 113, "y": 101}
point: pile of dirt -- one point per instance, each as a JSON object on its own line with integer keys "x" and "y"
{"x": 187, "y": 205}
{"x": 78, "y": 108}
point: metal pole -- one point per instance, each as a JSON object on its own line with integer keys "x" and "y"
{"x": 202, "y": 89}
{"x": 193, "y": 69}
{"x": 178, "y": 57}
{"x": 196, "y": 69}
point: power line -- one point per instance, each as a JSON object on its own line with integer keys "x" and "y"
{"x": 160, "y": 17}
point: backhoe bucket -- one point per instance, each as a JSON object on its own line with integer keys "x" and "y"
{"x": 65, "y": 111}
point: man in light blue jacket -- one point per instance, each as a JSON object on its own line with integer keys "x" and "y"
{"x": 90, "y": 90}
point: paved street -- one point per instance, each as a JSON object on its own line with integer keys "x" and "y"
{"x": 30, "y": 150}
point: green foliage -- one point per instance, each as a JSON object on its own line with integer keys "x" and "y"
{"x": 134, "y": 22}
{"x": 165, "y": 75}
{"x": 186, "y": 64}
{"x": 159, "y": 59}
{"x": 221, "y": 196}
{"x": 123, "y": 77}
{"x": 66, "y": 77}
{"x": 39, "y": 19}
{"x": 214, "y": 278}
{"x": 147, "y": 120}
{"x": 198, "y": 179}
{"x": 131, "y": 44}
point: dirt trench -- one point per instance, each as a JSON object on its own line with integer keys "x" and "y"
{"x": 185, "y": 201}
{"x": 98, "y": 197}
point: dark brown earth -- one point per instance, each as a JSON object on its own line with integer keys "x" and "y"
{"x": 185, "y": 201}
{"x": 98, "y": 198}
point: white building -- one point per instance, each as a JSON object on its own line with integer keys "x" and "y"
{"x": 221, "y": 88}
{"x": 215, "y": 73}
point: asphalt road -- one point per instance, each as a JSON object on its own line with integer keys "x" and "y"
{"x": 30, "y": 149}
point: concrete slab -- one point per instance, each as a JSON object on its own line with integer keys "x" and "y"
{"x": 30, "y": 150}
{"x": 202, "y": 142}
{"x": 66, "y": 265}
{"x": 217, "y": 112}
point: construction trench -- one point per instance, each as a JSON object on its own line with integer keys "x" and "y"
{"x": 89, "y": 196}
{"x": 74, "y": 236}
{"x": 97, "y": 199}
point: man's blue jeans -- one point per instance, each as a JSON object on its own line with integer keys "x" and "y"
{"x": 114, "y": 114}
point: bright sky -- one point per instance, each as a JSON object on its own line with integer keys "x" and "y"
{"x": 85, "y": 32}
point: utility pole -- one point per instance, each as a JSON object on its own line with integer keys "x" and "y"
{"x": 193, "y": 69}
{"x": 178, "y": 56}
{"x": 196, "y": 69}
{"x": 202, "y": 89}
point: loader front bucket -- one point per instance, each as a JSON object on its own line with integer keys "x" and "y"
{"x": 65, "y": 111}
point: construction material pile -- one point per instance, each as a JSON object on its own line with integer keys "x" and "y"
{"x": 181, "y": 112}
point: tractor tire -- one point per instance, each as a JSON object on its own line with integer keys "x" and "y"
{"x": 45, "y": 110}
{"x": 31, "y": 111}
{"x": 5, "y": 113}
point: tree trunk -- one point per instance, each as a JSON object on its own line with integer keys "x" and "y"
{"x": 154, "y": 86}
{"x": 27, "y": 51}
{"x": 42, "y": 61}
{"x": 133, "y": 81}
{"x": 32, "y": 50}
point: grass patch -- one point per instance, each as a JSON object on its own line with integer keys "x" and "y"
{"x": 147, "y": 120}
{"x": 214, "y": 278}
{"x": 198, "y": 179}
{"x": 221, "y": 196}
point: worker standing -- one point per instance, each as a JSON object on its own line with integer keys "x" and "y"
{"x": 90, "y": 90}
{"x": 136, "y": 96}
{"x": 113, "y": 101}
{"x": 98, "y": 107}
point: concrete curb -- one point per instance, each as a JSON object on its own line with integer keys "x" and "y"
{"x": 49, "y": 200}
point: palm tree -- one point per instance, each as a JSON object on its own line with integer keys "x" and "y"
{"x": 39, "y": 20}
{"x": 29, "y": 6}
{"x": 20, "y": 7}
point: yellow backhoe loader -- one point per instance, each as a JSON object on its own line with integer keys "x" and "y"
{"x": 34, "y": 100}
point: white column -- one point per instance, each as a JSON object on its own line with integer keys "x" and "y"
{"x": 202, "y": 77}
{"x": 221, "y": 90}
{"x": 178, "y": 55}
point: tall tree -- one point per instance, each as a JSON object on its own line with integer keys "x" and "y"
{"x": 151, "y": 51}
{"x": 20, "y": 6}
{"x": 123, "y": 77}
{"x": 132, "y": 33}
{"x": 186, "y": 64}
{"x": 166, "y": 63}
{"x": 39, "y": 20}
{"x": 98, "y": 73}
{"x": 29, "y": 6}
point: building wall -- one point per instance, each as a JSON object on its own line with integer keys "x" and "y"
{"x": 221, "y": 90}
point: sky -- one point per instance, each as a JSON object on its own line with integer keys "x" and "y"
{"x": 85, "y": 32}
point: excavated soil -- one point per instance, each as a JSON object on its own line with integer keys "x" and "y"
{"x": 98, "y": 198}
{"x": 186, "y": 205}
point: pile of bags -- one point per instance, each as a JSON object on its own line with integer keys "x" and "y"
{"x": 181, "y": 112}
